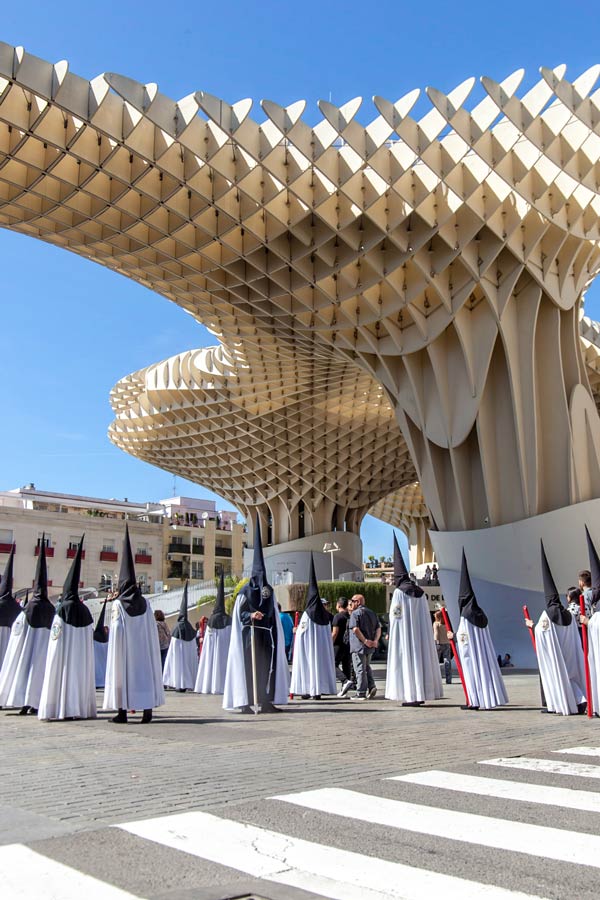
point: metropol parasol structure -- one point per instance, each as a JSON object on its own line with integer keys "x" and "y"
{"x": 397, "y": 306}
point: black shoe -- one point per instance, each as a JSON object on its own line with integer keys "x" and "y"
{"x": 247, "y": 711}
{"x": 582, "y": 708}
{"x": 468, "y": 706}
{"x": 269, "y": 708}
{"x": 24, "y": 710}
{"x": 317, "y": 697}
{"x": 410, "y": 704}
{"x": 305, "y": 696}
{"x": 146, "y": 717}
{"x": 180, "y": 690}
{"x": 32, "y": 711}
{"x": 545, "y": 711}
{"x": 120, "y": 718}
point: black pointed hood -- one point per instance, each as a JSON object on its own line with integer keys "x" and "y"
{"x": 183, "y": 630}
{"x": 259, "y": 570}
{"x": 258, "y": 589}
{"x": 219, "y": 618}
{"x": 594, "y": 567}
{"x": 467, "y": 601}
{"x": 402, "y": 579}
{"x": 313, "y": 607}
{"x": 71, "y": 610}
{"x": 556, "y": 611}
{"x": 39, "y": 612}
{"x": 100, "y": 635}
{"x": 130, "y": 596}
{"x": 9, "y": 607}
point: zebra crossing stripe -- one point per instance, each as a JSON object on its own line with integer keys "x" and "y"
{"x": 27, "y": 875}
{"x": 580, "y": 751}
{"x": 587, "y": 801}
{"x": 501, "y": 834}
{"x": 548, "y": 766}
{"x": 280, "y": 858}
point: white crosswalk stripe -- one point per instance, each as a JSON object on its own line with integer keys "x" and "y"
{"x": 549, "y": 766}
{"x": 580, "y": 751}
{"x": 48, "y": 879}
{"x": 339, "y": 874}
{"x": 501, "y": 834}
{"x": 567, "y": 798}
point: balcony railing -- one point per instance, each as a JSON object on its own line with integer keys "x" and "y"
{"x": 143, "y": 559}
{"x": 49, "y": 550}
{"x": 109, "y": 555}
{"x": 72, "y": 553}
{"x": 223, "y": 551}
{"x": 179, "y": 548}
{"x": 198, "y": 548}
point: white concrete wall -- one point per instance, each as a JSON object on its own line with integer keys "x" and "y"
{"x": 505, "y": 568}
{"x": 295, "y": 556}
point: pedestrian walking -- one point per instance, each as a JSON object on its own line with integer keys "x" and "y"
{"x": 365, "y": 632}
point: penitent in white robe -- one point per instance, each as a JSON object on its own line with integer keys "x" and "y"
{"x": 181, "y": 665}
{"x": 133, "y": 669}
{"x": 560, "y": 660}
{"x": 100, "y": 658}
{"x": 213, "y": 661}
{"x": 485, "y": 685}
{"x": 413, "y": 670}
{"x": 594, "y": 659}
{"x": 235, "y": 691}
{"x": 313, "y": 667}
{"x": 69, "y": 689}
{"x": 22, "y": 673}
{"x": 4, "y": 639}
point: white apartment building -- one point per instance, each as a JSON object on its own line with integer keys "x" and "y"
{"x": 175, "y": 539}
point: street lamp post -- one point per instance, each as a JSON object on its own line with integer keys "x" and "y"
{"x": 330, "y": 547}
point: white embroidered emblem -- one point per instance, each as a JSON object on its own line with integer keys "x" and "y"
{"x": 56, "y": 630}
{"x": 463, "y": 637}
{"x": 115, "y": 613}
{"x": 18, "y": 626}
{"x": 545, "y": 622}
{"x": 397, "y": 611}
{"x": 265, "y": 592}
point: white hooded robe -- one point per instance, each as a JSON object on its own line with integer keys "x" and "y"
{"x": 413, "y": 670}
{"x": 313, "y": 667}
{"x": 181, "y": 665}
{"x": 22, "y": 673}
{"x": 560, "y": 660}
{"x": 69, "y": 689}
{"x": 485, "y": 685}
{"x": 213, "y": 661}
{"x": 133, "y": 668}
{"x": 594, "y": 659}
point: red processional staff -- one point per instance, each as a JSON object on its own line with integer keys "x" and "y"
{"x": 203, "y": 622}
{"x": 296, "y": 621}
{"x": 588, "y": 682}
{"x": 448, "y": 625}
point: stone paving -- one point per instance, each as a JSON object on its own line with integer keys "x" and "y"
{"x": 73, "y": 776}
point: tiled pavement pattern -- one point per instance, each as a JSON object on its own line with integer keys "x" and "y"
{"x": 200, "y": 780}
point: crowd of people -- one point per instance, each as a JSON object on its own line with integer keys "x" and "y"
{"x": 52, "y": 659}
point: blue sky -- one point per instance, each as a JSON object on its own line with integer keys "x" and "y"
{"x": 70, "y": 329}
